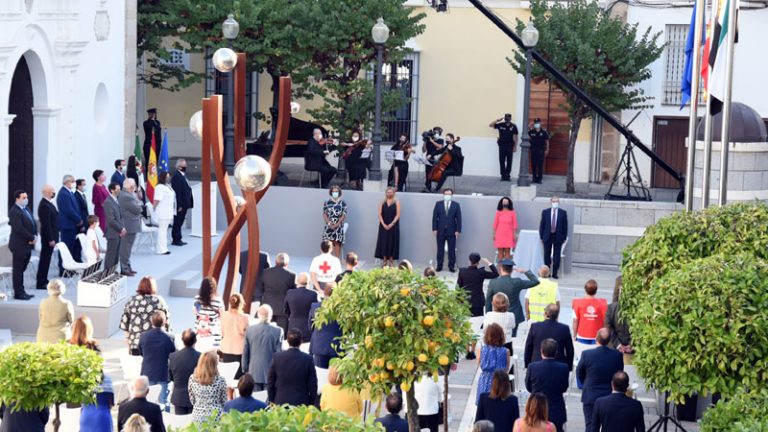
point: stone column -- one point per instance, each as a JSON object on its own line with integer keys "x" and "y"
{"x": 5, "y": 230}
{"x": 131, "y": 14}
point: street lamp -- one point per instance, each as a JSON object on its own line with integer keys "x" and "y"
{"x": 380, "y": 34}
{"x": 530, "y": 37}
{"x": 229, "y": 29}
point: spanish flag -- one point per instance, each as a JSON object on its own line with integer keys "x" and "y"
{"x": 713, "y": 69}
{"x": 152, "y": 170}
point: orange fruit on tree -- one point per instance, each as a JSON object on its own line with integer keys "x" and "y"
{"x": 389, "y": 321}
{"x": 409, "y": 366}
{"x": 428, "y": 320}
{"x": 443, "y": 360}
{"x": 384, "y": 375}
{"x": 448, "y": 333}
{"x": 405, "y": 386}
{"x": 390, "y": 365}
{"x": 374, "y": 378}
{"x": 379, "y": 362}
{"x": 422, "y": 357}
{"x": 368, "y": 342}
{"x": 404, "y": 291}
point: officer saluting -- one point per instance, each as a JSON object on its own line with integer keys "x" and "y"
{"x": 539, "y": 149}
{"x": 151, "y": 124}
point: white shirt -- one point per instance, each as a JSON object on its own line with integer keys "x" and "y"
{"x": 166, "y": 206}
{"x": 428, "y": 394}
{"x": 506, "y": 320}
{"x": 325, "y": 267}
{"x": 90, "y": 254}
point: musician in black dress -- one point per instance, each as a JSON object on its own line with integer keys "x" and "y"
{"x": 399, "y": 171}
{"x": 354, "y": 162}
{"x": 388, "y": 243}
{"x": 454, "y": 168}
{"x": 151, "y": 125}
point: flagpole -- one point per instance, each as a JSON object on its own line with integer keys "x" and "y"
{"x": 701, "y": 6}
{"x": 707, "y": 168}
{"x": 725, "y": 139}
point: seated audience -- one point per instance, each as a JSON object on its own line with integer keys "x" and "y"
{"x": 292, "y": 378}
{"x": 136, "y": 423}
{"x": 245, "y": 402}
{"x": 499, "y": 406}
{"x": 98, "y": 417}
{"x": 181, "y": 366}
{"x": 262, "y": 341}
{"x": 550, "y": 328}
{"x": 429, "y": 272}
{"x": 234, "y": 323}
{"x": 298, "y": 302}
{"x": 56, "y": 315}
{"x": 535, "y": 418}
{"x": 405, "y": 265}
{"x": 618, "y": 412}
{"x": 550, "y": 377}
{"x": 324, "y": 344}
{"x": 155, "y": 346}
{"x": 207, "y": 309}
{"x": 82, "y": 334}
{"x": 392, "y": 422}
{"x": 141, "y": 406}
{"x": 137, "y": 315}
{"x": 340, "y": 399}
{"x": 207, "y": 388}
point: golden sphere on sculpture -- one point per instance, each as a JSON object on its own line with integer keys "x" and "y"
{"x": 252, "y": 173}
{"x": 224, "y": 60}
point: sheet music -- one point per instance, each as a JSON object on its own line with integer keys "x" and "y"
{"x": 421, "y": 159}
{"x": 366, "y": 153}
{"x": 399, "y": 155}
{"x": 389, "y": 155}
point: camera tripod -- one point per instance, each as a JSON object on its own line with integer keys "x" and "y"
{"x": 663, "y": 420}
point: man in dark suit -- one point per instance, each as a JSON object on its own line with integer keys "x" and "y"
{"x": 595, "y": 370}
{"x": 155, "y": 346}
{"x": 115, "y": 229}
{"x": 130, "y": 208}
{"x": 119, "y": 175}
{"x": 22, "y": 241}
{"x": 272, "y": 286}
{"x": 82, "y": 203}
{"x": 511, "y": 287}
{"x": 618, "y": 412}
{"x": 140, "y": 405}
{"x": 392, "y": 422}
{"x": 263, "y": 265}
{"x": 553, "y": 232}
{"x": 151, "y": 126}
{"x": 292, "y": 378}
{"x": 471, "y": 279}
{"x": 70, "y": 219}
{"x": 49, "y": 234}
{"x": 446, "y": 227}
{"x": 550, "y": 377}
{"x": 184, "y": 200}
{"x": 314, "y": 159}
{"x": 23, "y": 420}
{"x": 298, "y": 302}
{"x": 262, "y": 341}
{"x": 549, "y": 329}
{"x": 324, "y": 343}
{"x": 181, "y": 366}
{"x": 350, "y": 264}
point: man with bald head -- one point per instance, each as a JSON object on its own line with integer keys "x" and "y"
{"x": 48, "y": 216}
{"x": 70, "y": 219}
{"x": 550, "y": 328}
{"x": 595, "y": 370}
{"x": 298, "y": 302}
{"x": 538, "y": 297}
{"x": 262, "y": 341}
{"x": 141, "y": 406}
{"x": 130, "y": 209}
{"x": 314, "y": 158}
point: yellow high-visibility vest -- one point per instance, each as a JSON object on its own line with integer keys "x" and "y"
{"x": 540, "y": 296}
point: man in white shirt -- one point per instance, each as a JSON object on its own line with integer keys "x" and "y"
{"x": 325, "y": 267}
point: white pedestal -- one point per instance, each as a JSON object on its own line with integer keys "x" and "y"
{"x": 523, "y": 193}
{"x": 197, "y": 210}
{"x": 101, "y": 295}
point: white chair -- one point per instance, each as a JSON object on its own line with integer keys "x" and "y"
{"x": 228, "y": 371}
{"x": 261, "y": 395}
{"x": 131, "y": 366}
{"x": 177, "y": 422}
{"x": 154, "y": 393}
{"x": 322, "y": 378}
{"x": 83, "y": 247}
{"x": 30, "y": 276}
{"x": 146, "y": 238}
{"x": 6, "y": 279}
{"x": 72, "y": 269}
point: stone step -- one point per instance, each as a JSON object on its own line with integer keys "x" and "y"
{"x": 186, "y": 284}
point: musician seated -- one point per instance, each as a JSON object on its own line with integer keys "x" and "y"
{"x": 454, "y": 168}
{"x": 314, "y": 158}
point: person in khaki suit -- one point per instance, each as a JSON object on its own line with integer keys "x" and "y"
{"x": 56, "y": 315}
{"x": 130, "y": 208}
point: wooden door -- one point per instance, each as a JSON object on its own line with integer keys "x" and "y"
{"x": 547, "y": 103}
{"x": 669, "y": 135}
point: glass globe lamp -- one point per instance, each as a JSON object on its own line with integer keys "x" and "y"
{"x": 530, "y": 35}
{"x": 196, "y": 125}
{"x": 380, "y": 32}
{"x": 252, "y": 173}
{"x": 224, "y": 60}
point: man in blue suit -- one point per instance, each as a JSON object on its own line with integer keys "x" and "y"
{"x": 550, "y": 377}
{"x": 119, "y": 175}
{"x": 392, "y": 422}
{"x": 618, "y": 412}
{"x": 595, "y": 370}
{"x": 70, "y": 219}
{"x": 550, "y": 329}
{"x": 292, "y": 378}
{"x": 324, "y": 343}
{"x": 156, "y": 346}
{"x": 446, "y": 227}
{"x": 553, "y": 232}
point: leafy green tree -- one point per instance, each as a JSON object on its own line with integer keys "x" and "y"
{"x": 397, "y": 327}
{"x": 745, "y": 412}
{"x": 284, "y": 418}
{"x": 602, "y": 55}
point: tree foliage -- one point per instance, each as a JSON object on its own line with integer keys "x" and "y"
{"x": 601, "y": 54}
{"x": 745, "y": 412}
{"x": 397, "y": 328}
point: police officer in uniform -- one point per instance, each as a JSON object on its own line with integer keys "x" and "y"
{"x": 507, "y": 144}
{"x": 151, "y": 124}
{"x": 539, "y": 149}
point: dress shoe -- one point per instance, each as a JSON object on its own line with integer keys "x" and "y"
{"x": 165, "y": 253}
{"x": 452, "y": 269}
{"x": 555, "y": 277}
{"x": 439, "y": 269}
{"x": 178, "y": 243}
{"x": 128, "y": 273}
{"x": 471, "y": 355}
{"x": 183, "y": 242}
{"x": 24, "y": 296}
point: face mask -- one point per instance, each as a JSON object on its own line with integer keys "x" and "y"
{"x": 505, "y": 206}
{"x": 183, "y": 169}
{"x": 85, "y": 189}
{"x": 537, "y": 125}
{"x": 334, "y": 195}
{"x": 555, "y": 205}
{"x": 53, "y": 195}
{"x": 355, "y": 138}
{"x": 73, "y": 188}
{"x": 24, "y": 202}
{"x": 447, "y": 198}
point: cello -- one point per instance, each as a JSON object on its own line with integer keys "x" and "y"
{"x": 438, "y": 171}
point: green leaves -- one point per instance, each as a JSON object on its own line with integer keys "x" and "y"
{"x": 745, "y": 412}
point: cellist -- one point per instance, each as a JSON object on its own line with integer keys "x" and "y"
{"x": 451, "y": 168}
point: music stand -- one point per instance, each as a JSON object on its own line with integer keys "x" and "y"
{"x": 665, "y": 419}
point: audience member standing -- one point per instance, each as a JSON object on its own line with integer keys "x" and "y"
{"x": 334, "y": 397}
{"x": 245, "y": 402}
{"x": 119, "y": 175}
{"x": 56, "y": 315}
{"x": 334, "y": 215}
{"x": 264, "y": 263}
{"x": 553, "y": 232}
{"x": 588, "y": 314}
{"x": 234, "y": 324}
{"x": 184, "y": 200}
{"x": 505, "y": 228}
{"x": 82, "y": 202}
{"x": 511, "y": 287}
{"x": 350, "y": 265}
{"x": 137, "y": 314}
{"x": 314, "y": 158}
{"x": 99, "y": 194}
{"x": 262, "y": 341}
{"x": 292, "y": 378}
{"x": 70, "y": 219}
{"x": 621, "y": 339}
{"x": 141, "y": 406}
{"x": 298, "y": 302}
{"x": 325, "y": 267}
{"x": 618, "y": 412}
{"x": 136, "y": 423}
{"x": 499, "y": 405}
{"x": 207, "y": 309}
{"x": 392, "y": 422}
{"x": 536, "y": 414}
{"x": 181, "y": 366}
{"x": 550, "y": 377}
{"x": 388, "y": 241}
{"x": 93, "y": 248}
{"x": 272, "y": 286}
{"x": 207, "y": 388}
{"x": 98, "y": 417}
{"x": 324, "y": 344}
{"x": 115, "y": 227}
{"x": 156, "y": 346}
{"x": 493, "y": 355}
{"x": 48, "y": 216}
{"x": 471, "y": 280}
{"x": 428, "y": 395}
{"x": 543, "y": 294}
{"x": 446, "y": 227}
{"x": 595, "y": 370}
{"x": 550, "y": 328}
{"x": 130, "y": 208}
{"x": 164, "y": 202}
{"x": 21, "y": 242}
{"x": 501, "y": 316}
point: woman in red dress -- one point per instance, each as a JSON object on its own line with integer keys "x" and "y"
{"x": 505, "y": 229}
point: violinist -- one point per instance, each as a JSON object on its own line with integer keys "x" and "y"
{"x": 314, "y": 157}
{"x": 354, "y": 162}
{"x": 447, "y": 163}
{"x": 399, "y": 171}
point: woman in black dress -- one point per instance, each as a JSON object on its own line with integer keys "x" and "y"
{"x": 354, "y": 162}
{"x": 399, "y": 171}
{"x": 388, "y": 243}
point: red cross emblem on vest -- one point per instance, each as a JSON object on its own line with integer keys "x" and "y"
{"x": 325, "y": 267}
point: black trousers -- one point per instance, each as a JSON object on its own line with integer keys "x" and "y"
{"x": 537, "y": 163}
{"x": 46, "y": 252}
{"x": 441, "y": 240}
{"x": 327, "y": 173}
{"x": 552, "y": 248}
{"x": 180, "y": 410}
{"x": 20, "y": 262}
{"x": 447, "y": 173}
{"x": 178, "y": 221}
{"x": 505, "y": 160}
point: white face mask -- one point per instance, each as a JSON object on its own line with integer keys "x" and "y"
{"x": 555, "y": 205}
{"x": 537, "y": 125}
{"x": 73, "y": 187}
{"x": 447, "y": 198}
{"x": 355, "y": 138}
{"x": 334, "y": 195}
{"x": 24, "y": 202}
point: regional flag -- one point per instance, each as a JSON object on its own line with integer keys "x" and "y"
{"x": 137, "y": 146}
{"x": 690, "y": 44}
{"x": 716, "y": 60}
{"x": 164, "y": 164}
{"x": 152, "y": 170}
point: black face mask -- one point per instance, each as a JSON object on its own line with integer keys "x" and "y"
{"x": 53, "y": 196}
{"x": 505, "y": 206}
{"x": 183, "y": 169}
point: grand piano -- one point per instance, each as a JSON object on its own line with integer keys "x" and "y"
{"x": 299, "y": 131}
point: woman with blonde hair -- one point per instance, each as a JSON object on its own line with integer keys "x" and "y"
{"x": 338, "y": 399}
{"x": 82, "y": 334}
{"x": 535, "y": 418}
{"x": 234, "y": 323}
{"x": 56, "y": 314}
{"x": 136, "y": 423}
{"x": 207, "y": 389}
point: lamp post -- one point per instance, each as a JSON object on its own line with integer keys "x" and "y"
{"x": 380, "y": 33}
{"x": 229, "y": 29}
{"x": 530, "y": 37}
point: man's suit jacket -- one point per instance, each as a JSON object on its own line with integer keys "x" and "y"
{"x": 69, "y": 211}
{"x": 155, "y": 345}
{"x": 181, "y": 366}
{"x": 545, "y": 225}
{"x": 114, "y": 219}
{"x": 549, "y": 329}
{"x": 595, "y": 370}
{"x": 471, "y": 279}
{"x": 314, "y": 156}
{"x": 617, "y": 413}
{"x": 82, "y": 205}
{"x": 446, "y": 223}
{"x": 393, "y": 423}
{"x": 27, "y": 421}
{"x": 49, "y": 221}
{"x": 272, "y": 286}
{"x": 298, "y": 302}
{"x": 325, "y": 339}
{"x": 263, "y": 265}
{"x": 183, "y": 191}
{"x": 150, "y": 411}
{"x": 23, "y": 230}
{"x": 130, "y": 207}
{"x": 292, "y": 378}
{"x": 550, "y": 377}
{"x": 262, "y": 342}
{"x": 117, "y": 177}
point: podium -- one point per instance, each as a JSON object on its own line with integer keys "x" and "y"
{"x": 197, "y": 210}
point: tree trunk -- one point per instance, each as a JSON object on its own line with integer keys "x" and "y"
{"x": 56, "y": 420}
{"x": 576, "y": 119}
{"x": 413, "y": 409}
{"x": 445, "y": 397}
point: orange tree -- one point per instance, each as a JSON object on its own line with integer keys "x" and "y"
{"x": 398, "y": 327}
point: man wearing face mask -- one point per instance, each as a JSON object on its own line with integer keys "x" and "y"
{"x": 184, "y": 200}
{"x": 49, "y": 234}
{"x": 314, "y": 158}
{"x": 539, "y": 150}
{"x": 22, "y": 241}
{"x": 507, "y": 144}
{"x": 446, "y": 227}
{"x": 119, "y": 175}
{"x": 82, "y": 202}
{"x": 151, "y": 126}
{"x": 70, "y": 219}
{"x": 454, "y": 168}
{"x": 553, "y": 232}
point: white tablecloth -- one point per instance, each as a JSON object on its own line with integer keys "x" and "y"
{"x": 529, "y": 252}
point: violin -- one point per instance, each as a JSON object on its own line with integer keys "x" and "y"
{"x": 355, "y": 146}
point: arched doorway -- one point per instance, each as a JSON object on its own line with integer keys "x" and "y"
{"x": 21, "y": 132}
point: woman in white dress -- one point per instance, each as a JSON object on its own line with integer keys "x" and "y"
{"x": 165, "y": 209}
